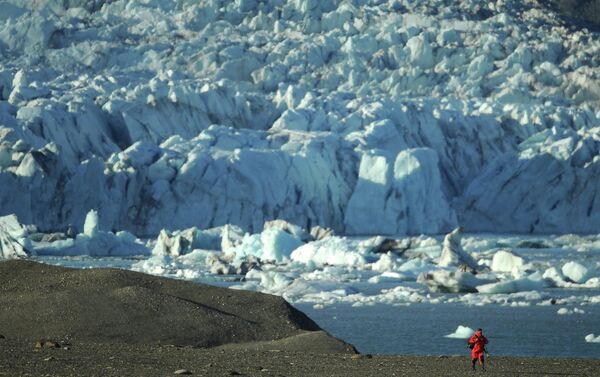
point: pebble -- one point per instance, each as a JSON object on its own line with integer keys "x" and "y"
{"x": 46, "y": 344}
{"x": 182, "y": 371}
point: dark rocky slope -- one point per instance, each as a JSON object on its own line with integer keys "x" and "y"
{"x": 110, "y": 305}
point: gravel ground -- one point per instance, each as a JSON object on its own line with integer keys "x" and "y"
{"x": 19, "y": 358}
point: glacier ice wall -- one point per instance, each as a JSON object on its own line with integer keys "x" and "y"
{"x": 366, "y": 116}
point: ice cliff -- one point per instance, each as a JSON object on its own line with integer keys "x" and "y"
{"x": 365, "y": 116}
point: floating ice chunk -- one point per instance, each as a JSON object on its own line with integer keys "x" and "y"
{"x": 532, "y": 282}
{"x": 414, "y": 267}
{"x": 271, "y": 245}
{"x": 453, "y": 253}
{"x": 424, "y": 247}
{"x": 155, "y": 265}
{"x": 447, "y": 281}
{"x": 318, "y": 233}
{"x": 566, "y": 311}
{"x": 167, "y": 244}
{"x": 106, "y": 244}
{"x": 184, "y": 241}
{"x": 506, "y": 261}
{"x": 290, "y": 228}
{"x": 591, "y": 338}
{"x": 592, "y": 283}
{"x": 555, "y": 275}
{"x": 270, "y": 280}
{"x": 383, "y": 245}
{"x": 279, "y": 283}
{"x": 231, "y": 237}
{"x": 90, "y": 227}
{"x": 94, "y": 242}
{"x": 208, "y": 239}
{"x": 462, "y": 332}
{"x": 335, "y": 251}
{"x": 197, "y": 258}
{"x": 386, "y": 277}
{"x": 575, "y": 272}
{"x": 387, "y": 262}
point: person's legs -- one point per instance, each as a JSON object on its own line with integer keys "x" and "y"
{"x": 482, "y": 361}
{"x": 473, "y": 361}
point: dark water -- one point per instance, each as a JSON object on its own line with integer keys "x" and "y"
{"x": 419, "y": 329}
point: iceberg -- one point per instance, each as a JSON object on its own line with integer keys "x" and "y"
{"x": 575, "y": 272}
{"x": 506, "y": 261}
{"x": 591, "y": 338}
{"x": 333, "y": 251}
{"x": 185, "y": 241}
{"x": 272, "y": 244}
{"x": 532, "y": 282}
{"x": 453, "y": 253}
{"x": 462, "y": 332}
{"x": 93, "y": 242}
{"x": 451, "y": 281}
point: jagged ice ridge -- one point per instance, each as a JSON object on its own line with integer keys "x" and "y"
{"x": 369, "y": 117}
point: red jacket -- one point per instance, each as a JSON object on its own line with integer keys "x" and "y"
{"x": 478, "y": 341}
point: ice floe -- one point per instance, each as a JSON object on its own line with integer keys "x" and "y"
{"x": 591, "y": 338}
{"x": 575, "y": 272}
{"x": 284, "y": 259}
{"x": 505, "y": 261}
{"x": 462, "y": 332}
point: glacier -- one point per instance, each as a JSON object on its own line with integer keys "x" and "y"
{"x": 365, "y": 117}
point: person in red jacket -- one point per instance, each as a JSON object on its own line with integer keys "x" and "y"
{"x": 477, "y": 344}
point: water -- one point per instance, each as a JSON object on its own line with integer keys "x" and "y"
{"x": 419, "y": 329}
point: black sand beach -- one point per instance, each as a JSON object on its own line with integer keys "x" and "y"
{"x": 117, "y": 359}
{"x": 62, "y": 322}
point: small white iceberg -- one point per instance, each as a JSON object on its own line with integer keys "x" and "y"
{"x": 462, "y": 332}
{"x": 591, "y": 338}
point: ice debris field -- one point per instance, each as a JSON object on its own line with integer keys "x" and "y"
{"x": 367, "y": 289}
{"x": 358, "y": 152}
